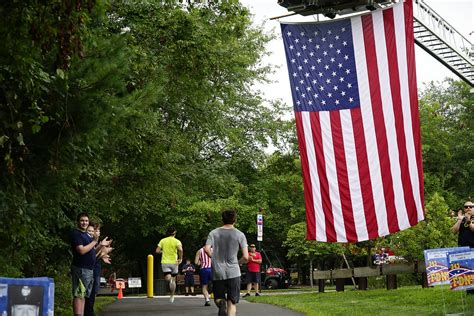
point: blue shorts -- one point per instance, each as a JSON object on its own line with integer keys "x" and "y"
{"x": 205, "y": 275}
{"x": 82, "y": 282}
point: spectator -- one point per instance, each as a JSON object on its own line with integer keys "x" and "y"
{"x": 222, "y": 246}
{"x": 102, "y": 250}
{"x": 253, "y": 271}
{"x": 83, "y": 261}
{"x": 188, "y": 271}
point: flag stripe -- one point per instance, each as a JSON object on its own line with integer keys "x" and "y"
{"x": 308, "y": 196}
{"x": 368, "y": 164}
{"x": 344, "y": 191}
{"x": 407, "y": 216}
{"x": 323, "y": 178}
{"x": 382, "y": 26}
{"x": 413, "y": 92}
{"x": 356, "y": 202}
{"x": 405, "y": 106}
{"x": 380, "y": 132}
{"x": 325, "y": 119}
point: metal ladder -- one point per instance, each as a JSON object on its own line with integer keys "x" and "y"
{"x": 439, "y": 39}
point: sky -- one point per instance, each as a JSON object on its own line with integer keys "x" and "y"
{"x": 458, "y": 13}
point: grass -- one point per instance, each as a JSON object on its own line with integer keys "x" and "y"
{"x": 101, "y": 302}
{"x": 403, "y": 301}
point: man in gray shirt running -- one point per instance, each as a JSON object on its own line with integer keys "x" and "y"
{"x": 223, "y": 245}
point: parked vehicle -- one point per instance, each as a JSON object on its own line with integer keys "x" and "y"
{"x": 271, "y": 278}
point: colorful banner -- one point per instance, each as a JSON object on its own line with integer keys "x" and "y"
{"x": 29, "y": 296}
{"x": 437, "y": 268}
{"x": 461, "y": 269}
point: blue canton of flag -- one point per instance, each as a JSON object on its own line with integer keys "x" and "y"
{"x": 321, "y": 66}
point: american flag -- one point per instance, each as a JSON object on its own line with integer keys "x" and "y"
{"x": 354, "y": 91}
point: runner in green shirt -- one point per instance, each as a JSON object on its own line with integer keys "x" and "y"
{"x": 172, "y": 254}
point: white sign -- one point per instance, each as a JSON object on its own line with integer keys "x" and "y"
{"x": 134, "y": 282}
{"x": 259, "y": 227}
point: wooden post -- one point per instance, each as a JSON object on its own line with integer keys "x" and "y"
{"x": 391, "y": 280}
{"x": 363, "y": 281}
{"x": 311, "y": 273}
{"x": 340, "y": 285}
{"x": 321, "y": 284}
{"x": 424, "y": 280}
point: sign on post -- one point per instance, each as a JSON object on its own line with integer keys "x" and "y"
{"x": 134, "y": 282}
{"x": 461, "y": 269}
{"x": 29, "y": 296}
{"x": 119, "y": 284}
{"x": 259, "y": 227}
{"x": 437, "y": 268}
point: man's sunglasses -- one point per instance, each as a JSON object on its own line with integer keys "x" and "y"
{"x": 469, "y": 206}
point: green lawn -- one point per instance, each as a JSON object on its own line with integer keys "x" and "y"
{"x": 102, "y": 301}
{"x": 403, "y": 301}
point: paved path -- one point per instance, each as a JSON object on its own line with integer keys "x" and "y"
{"x": 137, "y": 306}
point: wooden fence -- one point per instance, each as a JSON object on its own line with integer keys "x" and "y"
{"x": 390, "y": 271}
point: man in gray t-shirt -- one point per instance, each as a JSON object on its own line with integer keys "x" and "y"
{"x": 223, "y": 245}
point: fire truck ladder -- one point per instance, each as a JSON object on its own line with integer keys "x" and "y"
{"x": 439, "y": 39}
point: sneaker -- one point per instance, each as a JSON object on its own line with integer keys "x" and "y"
{"x": 208, "y": 303}
{"x": 222, "y": 308}
{"x": 257, "y": 294}
{"x": 172, "y": 298}
{"x": 246, "y": 294}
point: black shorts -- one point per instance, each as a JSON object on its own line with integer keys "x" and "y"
{"x": 253, "y": 277}
{"x": 188, "y": 280}
{"x": 227, "y": 289}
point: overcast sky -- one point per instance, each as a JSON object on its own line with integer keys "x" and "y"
{"x": 458, "y": 13}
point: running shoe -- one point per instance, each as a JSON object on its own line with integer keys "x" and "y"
{"x": 222, "y": 308}
{"x": 246, "y": 294}
{"x": 257, "y": 294}
{"x": 208, "y": 303}
{"x": 172, "y": 298}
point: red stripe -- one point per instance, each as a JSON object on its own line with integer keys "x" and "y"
{"x": 342, "y": 177}
{"x": 394, "y": 74}
{"x": 308, "y": 191}
{"x": 206, "y": 261}
{"x": 364, "y": 174}
{"x": 323, "y": 179}
{"x": 415, "y": 115}
{"x": 379, "y": 126}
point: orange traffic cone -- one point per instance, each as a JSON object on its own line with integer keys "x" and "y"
{"x": 120, "y": 294}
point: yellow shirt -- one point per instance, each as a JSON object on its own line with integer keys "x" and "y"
{"x": 169, "y": 250}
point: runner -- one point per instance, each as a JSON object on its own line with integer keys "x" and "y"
{"x": 172, "y": 254}
{"x": 222, "y": 246}
{"x": 205, "y": 273}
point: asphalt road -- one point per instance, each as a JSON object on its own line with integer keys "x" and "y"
{"x": 135, "y": 306}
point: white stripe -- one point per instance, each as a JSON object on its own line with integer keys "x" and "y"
{"x": 389, "y": 119}
{"x": 369, "y": 130}
{"x": 313, "y": 172}
{"x": 353, "y": 176}
{"x": 331, "y": 172}
{"x": 399, "y": 19}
